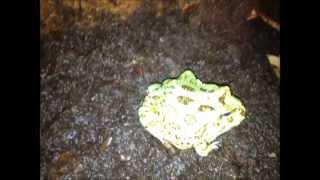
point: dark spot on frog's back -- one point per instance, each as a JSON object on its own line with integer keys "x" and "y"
{"x": 206, "y": 90}
{"x": 184, "y": 100}
{"x": 205, "y": 108}
{"x": 155, "y": 97}
{"x": 188, "y": 88}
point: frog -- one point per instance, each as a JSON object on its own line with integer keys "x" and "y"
{"x": 185, "y": 112}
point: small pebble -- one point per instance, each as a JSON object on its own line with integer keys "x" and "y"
{"x": 125, "y": 158}
{"x": 122, "y": 157}
{"x": 109, "y": 141}
{"x": 272, "y": 155}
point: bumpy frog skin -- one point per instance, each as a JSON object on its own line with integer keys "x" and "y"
{"x": 186, "y": 112}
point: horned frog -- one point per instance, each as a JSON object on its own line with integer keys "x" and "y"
{"x": 186, "y": 112}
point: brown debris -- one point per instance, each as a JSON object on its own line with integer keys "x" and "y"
{"x": 66, "y": 162}
{"x": 57, "y": 14}
{"x": 254, "y": 14}
{"x": 275, "y": 63}
{"x": 103, "y": 147}
{"x": 190, "y": 7}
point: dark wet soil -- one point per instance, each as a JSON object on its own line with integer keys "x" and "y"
{"x": 93, "y": 81}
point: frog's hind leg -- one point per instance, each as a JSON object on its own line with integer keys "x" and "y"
{"x": 169, "y": 146}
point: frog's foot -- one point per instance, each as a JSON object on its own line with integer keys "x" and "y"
{"x": 203, "y": 148}
{"x": 215, "y": 145}
{"x": 169, "y": 146}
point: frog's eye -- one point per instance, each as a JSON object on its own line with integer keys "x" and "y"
{"x": 184, "y": 100}
{"x": 226, "y": 114}
{"x": 205, "y": 108}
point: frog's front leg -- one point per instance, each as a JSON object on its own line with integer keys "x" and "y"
{"x": 215, "y": 145}
{"x": 203, "y": 148}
